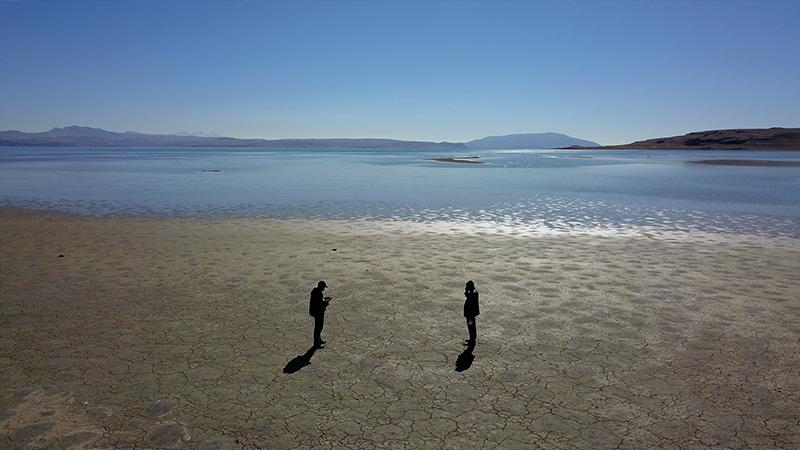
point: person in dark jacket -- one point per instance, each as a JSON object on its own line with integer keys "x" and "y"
{"x": 471, "y": 310}
{"x": 316, "y": 308}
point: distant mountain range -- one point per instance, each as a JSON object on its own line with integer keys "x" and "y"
{"x": 736, "y": 139}
{"x": 75, "y": 136}
{"x": 529, "y": 140}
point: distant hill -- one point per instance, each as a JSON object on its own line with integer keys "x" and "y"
{"x": 529, "y": 140}
{"x": 737, "y": 139}
{"x": 75, "y": 136}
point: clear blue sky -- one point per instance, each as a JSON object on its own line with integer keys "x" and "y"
{"x": 607, "y": 71}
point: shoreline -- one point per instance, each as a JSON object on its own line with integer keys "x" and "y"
{"x": 177, "y": 332}
{"x": 681, "y": 149}
{"x": 512, "y": 229}
{"x": 747, "y": 162}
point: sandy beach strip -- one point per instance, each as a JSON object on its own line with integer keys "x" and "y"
{"x": 176, "y": 333}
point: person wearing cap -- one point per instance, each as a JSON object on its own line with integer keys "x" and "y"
{"x": 471, "y": 310}
{"x": 316, "y": 308}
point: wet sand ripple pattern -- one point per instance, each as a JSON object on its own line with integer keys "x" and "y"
{"x": 174, "y": 333}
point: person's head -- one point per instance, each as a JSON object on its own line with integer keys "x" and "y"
{"x": 321, "y": 285}
{"x": 470, "y": 286}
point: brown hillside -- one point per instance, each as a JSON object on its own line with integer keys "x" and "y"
{"x": 737, "y": 139}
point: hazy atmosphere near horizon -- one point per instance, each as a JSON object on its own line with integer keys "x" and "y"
{"x": 399, "y": 224}
{"x": 611, "y": 72}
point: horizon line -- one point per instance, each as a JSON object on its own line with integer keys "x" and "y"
{"x": 212, "y": 135}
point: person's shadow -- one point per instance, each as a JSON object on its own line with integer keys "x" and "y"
{"x": 465, "y": 359}
{"x": 300, "y": 361}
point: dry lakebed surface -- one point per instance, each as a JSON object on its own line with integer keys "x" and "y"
{"x": 190, "y": 333}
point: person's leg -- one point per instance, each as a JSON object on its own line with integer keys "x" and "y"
{"x": 318, "y": 322}
{"x": 473, "y": 334}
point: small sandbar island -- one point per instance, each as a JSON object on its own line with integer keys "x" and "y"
{"x": 459, "y": 159}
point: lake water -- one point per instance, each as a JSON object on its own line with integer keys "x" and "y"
{"x": 558, "y": 190}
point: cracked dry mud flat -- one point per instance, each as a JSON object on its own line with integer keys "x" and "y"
{"x": 175, "y": 334}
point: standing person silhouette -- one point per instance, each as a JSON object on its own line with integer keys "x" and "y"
{"x": 471, "y": 311}
{"x": 316, "y": 308}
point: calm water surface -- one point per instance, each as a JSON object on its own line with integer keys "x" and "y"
{"x": 548, "y": 188}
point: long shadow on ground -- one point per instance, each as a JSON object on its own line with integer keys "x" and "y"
{"x": 300, "y": 361}
{"x": 465, "y": 359}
